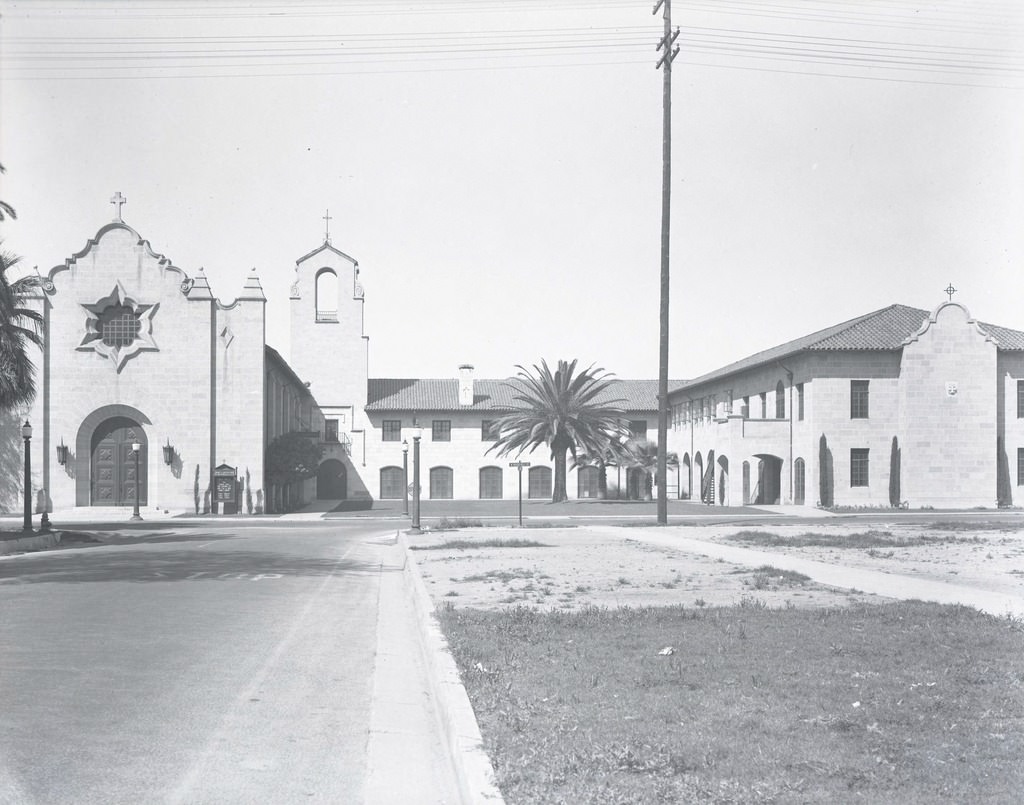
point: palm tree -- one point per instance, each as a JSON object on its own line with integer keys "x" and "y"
{"x": 20, "y": 326}
{"x": 567, "y": 411}
{"x": 6, "y": 210}
{"x": 611, "y": 455}
{"x": 642, "y": 455}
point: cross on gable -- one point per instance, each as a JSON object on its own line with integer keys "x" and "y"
{"x": 327, "y": 231}
{"x": 950, "y": 290}
{"x": 119, "y": 200}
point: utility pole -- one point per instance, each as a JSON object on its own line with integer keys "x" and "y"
{"x": 668, "y": 54}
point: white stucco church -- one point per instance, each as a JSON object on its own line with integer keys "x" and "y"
{"x": 152, "y": 391}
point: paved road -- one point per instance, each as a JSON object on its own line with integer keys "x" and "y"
{"x": 203, "y": 665}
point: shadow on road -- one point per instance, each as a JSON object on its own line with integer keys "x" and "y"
{"x": 79, "y": 567}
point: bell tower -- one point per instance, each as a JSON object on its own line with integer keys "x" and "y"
{"x": 328, "y": 347}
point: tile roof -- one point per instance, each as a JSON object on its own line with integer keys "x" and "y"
{"x": 884, "y": 329}
{"x": 442, "y": 394}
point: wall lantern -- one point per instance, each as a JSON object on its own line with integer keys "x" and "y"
{"x": 168, "y": 453}
{"x": 62, "y": 453}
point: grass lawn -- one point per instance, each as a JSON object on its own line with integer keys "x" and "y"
{"x": 901, "y": 703}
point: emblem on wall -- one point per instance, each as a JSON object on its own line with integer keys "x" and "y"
{"x": 951, "y": 388}
{"x": 118, "y": 327}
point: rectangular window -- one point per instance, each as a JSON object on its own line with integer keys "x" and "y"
{"x": 800, "y": 401}
{"x": 488, "y": 432}
{"x": 858, "y": 399}
{"x": 441, "y": 430}
{"x": 330, "y": 430}
{"x": 1020, "y": 466}
{"x": 391, "y": 430}
{"x": 1020, "y": 399}
{"x": 638, "y": 428}
{"x": 859, "y": 466}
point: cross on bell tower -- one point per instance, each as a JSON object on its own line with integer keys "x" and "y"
{"x": 327, "y": 229}
{"x": 118, "y": 200}
{"x": 950, "y": 290}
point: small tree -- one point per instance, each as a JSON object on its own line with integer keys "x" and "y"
{"x": 248, "y": 492}
{"x": 894, "y": 473}
{"x": 825, "y": 479}
{"x": 292, "y": 458}
{"x": 1004, "y": 492}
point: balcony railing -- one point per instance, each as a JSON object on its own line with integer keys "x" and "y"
{"x": 327, "y": 315}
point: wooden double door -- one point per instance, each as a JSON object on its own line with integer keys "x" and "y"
{"x": 113, "y": 464}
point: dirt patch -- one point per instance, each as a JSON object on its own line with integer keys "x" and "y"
{"x": 582, "y": 567}
{"x": 984, "y": 555}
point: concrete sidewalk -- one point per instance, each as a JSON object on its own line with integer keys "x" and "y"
{"x": 407, "y": 757}
{"x": 891, "y": 585}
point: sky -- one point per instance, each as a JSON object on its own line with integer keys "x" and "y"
{"x": 496, "y": 167}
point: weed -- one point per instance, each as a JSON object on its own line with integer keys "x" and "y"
{"x": 445, "y": 524}
{"x": 504, "y": 576}
{"x": 465, "y": 544}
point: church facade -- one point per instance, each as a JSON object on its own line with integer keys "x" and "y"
{"x": 152, "y": 392}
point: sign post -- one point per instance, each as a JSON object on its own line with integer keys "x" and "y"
{"x": 519, "y": 465}
{"x": 225, "y": 492}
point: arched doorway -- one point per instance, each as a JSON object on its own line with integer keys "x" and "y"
{"x": 539, "y": 480}
{"x": 685, "y": 478}
{"x": 799, "y": 482}
{"x": 723, "y": 480}
{"x": 392, "y": 483}
{"x": 442, "y": 483}
{"x": 331, "y": 480}
{"x": 112, "y": 463}
{"x": 769, "y": 480}
{"x": 587, "y": 482}
{"x": 635, "y": 483}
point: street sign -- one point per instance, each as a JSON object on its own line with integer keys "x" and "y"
{"x": 519, "y": 466}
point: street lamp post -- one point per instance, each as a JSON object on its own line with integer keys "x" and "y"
{"x": 416, "y": 435}
{"x": 136, "y": 448}
{"x": 26, "y": 434}
{"x": 405, "y": 477}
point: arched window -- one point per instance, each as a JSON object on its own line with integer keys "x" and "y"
{"x": 799, "y": 481}
{"x": 326, "y": 295}
{"x": 586, "y": 482}
{"x": 441, "y": 483}
{"x": 780, "y": 401}
{"x": 392, "y": 479}
{"x": 540, "y": 482}
{"x": 490, "y": 483}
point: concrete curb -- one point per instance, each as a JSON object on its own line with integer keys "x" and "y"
{"x": 459, "y": 728}
{"x": 37, "y": 542}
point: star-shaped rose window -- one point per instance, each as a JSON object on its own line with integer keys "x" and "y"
{"x": 118, "y": 327}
